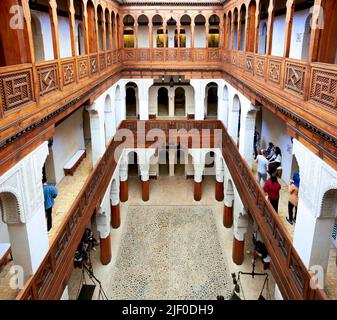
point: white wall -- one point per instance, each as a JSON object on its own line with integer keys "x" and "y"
{"x": 143, "y": 37}
{"x": 297, "y": 33}
{"x": 4, "y": 236}
{"x": 199, "y": 37}
{"x": 64, "y": 37}
{"x": 68, "y": 139}
{"x": 274, "y": 130}
{"x": 46, "y": 34}
{"x": 171, "y": 33}
{"x": 279, "y": 30}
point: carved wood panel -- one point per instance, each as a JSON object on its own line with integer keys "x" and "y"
{"x": 143, "y": 55}
{"x": 324, "y": 87}
{"x": 158, "y": 55}
{"x": 93, "y": 65}
{"x": 109, "y": 59}
{"x": 185, "y": 55}
{"x": 260, "y": 69}
{"x": 295, "y": 77}
{"x": 250, "y": 64}
{"x": 200, "y": 55}
{"x": 102, "y": 63}
{"x": 83, "y": 68}
{"x": 48, "y": 78}
{"x": 129, "y": 55}
{"x": 68, "y": 72}
{"x": 171, "y": 55}
{"x": 16, "y": 89}
{"x": 213, "y": 55}
{"x": 274, "y": 71}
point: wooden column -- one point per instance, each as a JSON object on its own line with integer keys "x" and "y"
{"x": 123, "y": 191}
{"x": 238, "y": 251}
{"x": 289, "y": 27}
{"x": 85, "y": 26}
{"x": 239, "y": 32}
{"x": 178, "y": 35}
{"x": 151, "y": 35}
{"x": 146, "y": 190}
{"x": 315, "y": 33}
{"x": 232, "y": 33}
{"x": 222, "y": 33}
{"x": 165, "y": 35}
{"x": 115, "y": 216}
{"x": 71, "y": 10}
{"x": 103, "y": 30}
{"x": 247, "y": 32}
{"x": 219, "y": 195}
{"x": 110, "y": 33}
{"x": 116, "y": 34}
{"x": 136, "y": 31}
{"x": 228, "y": 216}
{"x": 270, "y": 27}
{"x": 105, "y": 245}
{"x": 54, "y": 28}
{"x": 197, "y": 191}
{"x": 257, "y": 28}
{"x": 207, "y": 27}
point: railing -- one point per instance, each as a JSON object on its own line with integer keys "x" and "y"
{"x": 312, "y": 82}
{"x": 290, "y": 273}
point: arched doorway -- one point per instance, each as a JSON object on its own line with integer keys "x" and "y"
{"x": 200, "y": 32}
{"x": 212, "y": 100}
{"x": 37, "y": 39}
{"x": 128, "y": 34}
{"x": 306, "y": 38}
{"x": 185, "y": 31}
{"x": 180, "y": 102}
{"x": 143, "y": 32}
{"x": 131, "y": 100}
{"x": 133, "y": 162}
{"x": 263, "y": 30}
{"x": 214, "y": 31}
{"x": 163, "y": 102}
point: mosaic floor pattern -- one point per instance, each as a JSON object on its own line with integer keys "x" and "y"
{"x": 170, "y": 252}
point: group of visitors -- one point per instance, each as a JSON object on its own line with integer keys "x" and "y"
{"x": 269, "y": 163}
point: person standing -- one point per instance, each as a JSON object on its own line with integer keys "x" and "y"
{"x": 256, "y": 143}
{"x": 275, "y": 161}
{"x": 262, "y": 168}
{"x": 49, "y": 193}
{"x": 272, "y": 189}
{"x": 293, "y": 198}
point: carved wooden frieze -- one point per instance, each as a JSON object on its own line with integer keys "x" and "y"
{"x": 16, "y": 89}
{"x": 83, "y": 68}
{"x": 68, "y": 72}
{"x": 274, "y": 71}
{"x": 102, "y": 63}
{"x": 93, "y": 65}
{"x": 260, "y": 69}
{"x": 250, "y": 64}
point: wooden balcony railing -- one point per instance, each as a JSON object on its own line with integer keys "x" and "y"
{"x": 290, "y": 273}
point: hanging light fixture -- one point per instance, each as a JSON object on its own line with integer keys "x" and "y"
{"x": 162, "y": 78}
{"x": 171, "y": 82}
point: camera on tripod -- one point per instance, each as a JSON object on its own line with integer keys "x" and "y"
{"x": 82, "y": 254}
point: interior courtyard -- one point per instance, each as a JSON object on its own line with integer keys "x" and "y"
{"x": 160, "y": 128}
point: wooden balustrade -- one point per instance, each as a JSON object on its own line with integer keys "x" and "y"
{"x": 289, "y": 271}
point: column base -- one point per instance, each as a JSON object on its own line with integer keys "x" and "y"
{"x": 238, "y": 251}
{"x": 219, "y": 195}
{"x": 197, "y": 191}
{"x": 124, "y": 191}
{"x": 146, "y": 190}
{"x": 115, "y": 216}
{"x": 228, "y": 217}
{"x": 105, "y": 245}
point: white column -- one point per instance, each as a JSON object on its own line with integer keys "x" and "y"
{"x": 22, "y": 202}
{"x": 96, "y": 114}
{"x": 278, "y": 294}
{"x": 219, "y": 168}
{"x": 103, "y": 216}
{"x": 171, "y": 101}
{"x": 316, "y": 208}
{"x": 240, "y": 222}
{"x": 123, "y": 169}
{"x": 199, "y": 98}
{"x": 143, "y": 93}
{"x": 247, "y": 130}
{"x": 65, "y": 294}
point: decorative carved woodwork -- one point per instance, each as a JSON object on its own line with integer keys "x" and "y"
{"x": 295, "y": 78}
{"x": 68, "y": 72}
{"x": 48, "y": 78}
{"x": 83, "y": 68}
{"x": 16, "y": 89}
{"x": 274, "y": 71}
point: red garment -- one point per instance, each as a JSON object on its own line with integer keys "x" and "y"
{"x": 272, "y": 189}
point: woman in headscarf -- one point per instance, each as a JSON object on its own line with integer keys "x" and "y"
{"x": 293, "y": 198}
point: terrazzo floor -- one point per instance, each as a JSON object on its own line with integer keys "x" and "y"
{"x": 207, "y": 275}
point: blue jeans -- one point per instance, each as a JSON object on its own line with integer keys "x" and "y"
{"x": 262, "y": 176}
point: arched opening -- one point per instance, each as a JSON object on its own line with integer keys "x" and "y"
{"x": 113, "y": 31}
{"x": 107, "y": 29}
{"x": 212, "y": 100}
{"x": 37, "y": 39}
{"x": 143, "y": 32}
{"x": 63, "y": 22}
{"x": 226, "y": 107}
{"x": 229, "y": 30}
{"x": 133, "y": 164}
{"x": 214, "y": 31}
{"x": 108, "y": 120}
{"x": 160, "y": 39}
{"x": 179, "y": 102}
{"x": 100, "y": 27}
{"x": 79, "y": 31}
{"x": 172, "y": 33}
{"x": 235, "y": 26}
{"x": 210, "y": 163}
{"x": 200, "y": 36}
{"x": 306, "y": 38}
{"x": 251, "y": 26}
{"x": 128, "y": 34}
{"x": 131, "y": 102}
{"x": 241, "y": 44}
{"x": 185, "y": 31}
{"x": 119, "y": 113}
{"x": 80, "y": 40}
{"x": 279, "y": 28}
{"x": 263, "y": 30}
{"x": 9, "y": 208}
{"x": 236, "y": 119}
{"x": 92, "y": 27}
{"x": 163, "y": 102}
